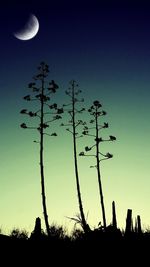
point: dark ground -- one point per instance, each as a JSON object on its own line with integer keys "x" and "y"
{"x": 93, "y": 249}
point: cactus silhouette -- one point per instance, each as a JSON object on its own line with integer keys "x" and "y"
{"x": 96, "y": 112}
{"x": 114, "y": 218}
{"x": 42, "y": 92}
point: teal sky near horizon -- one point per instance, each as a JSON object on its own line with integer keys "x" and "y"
{"x": 106, "y": 49}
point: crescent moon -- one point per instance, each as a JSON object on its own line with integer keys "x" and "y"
{"x": 30, "y": 29}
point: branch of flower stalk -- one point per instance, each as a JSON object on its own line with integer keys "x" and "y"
{"x": 51, "y": 120}
{"x": 70, "y": 113}
{"x": 32, "y": 99}
{"x": 27, "y": 97}
{"x": 77, "y": 124}
{"x": 46, "y": 104}
{"x": 66, "y": 105}
{"x": 52, "y": 106}
{"x": 95, "y": 166}
{"x": 50, "y": 113}
{"x": 24, "y": 126}
{"x": 36, "y": 116}
{"x": 38, "y": 111}
{"x": 90, "y": 128}
{"x": 68, "y": 93}
{"x": 107, "y": 156}
{"x": 89, "y": 148}
{"x": 83, "y": 154}
{"x": 79, "y": 111}
{"x": 111, "y": 138}
{"x": 53, "y": 134}
{"x": 104, "y": 159}
{"x": 69, "y": 130}
{"x": 90, "y": 134}
{"x": 80, "y": 122}
{"x": 79, "y": 136}
{"x": 62, "y": 124}
{"x": 54, "y": 119}
{"x": 90, "y": 155}
{"x": 92, "y": 121}
{"x": 29, "y": 113}
{"x": 32, "y": 85}
{"x": 100, "y": 128}
{"x": 103, "y": 113}
{"x": 102, "y": 154}
{"x": 36, "y": 142}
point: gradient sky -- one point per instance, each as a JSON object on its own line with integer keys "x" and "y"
{"x": 106, "y": 49}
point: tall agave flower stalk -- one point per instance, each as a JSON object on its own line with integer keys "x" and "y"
{"x": 96, "y": 113}
{"x": 73, "y": 125}
{"x": 41, "y": 94}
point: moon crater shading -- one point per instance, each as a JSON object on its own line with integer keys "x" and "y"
{"x": 30, "y": 29}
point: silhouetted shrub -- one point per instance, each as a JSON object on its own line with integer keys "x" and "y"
{"x": 19, "y": 234}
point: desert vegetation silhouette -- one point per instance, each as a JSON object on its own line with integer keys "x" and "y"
{"x": 96, "y": 112}
{"x": 88, "y": 124}
{"x": 73, "y": 124}
{"x": 47, "y": 112}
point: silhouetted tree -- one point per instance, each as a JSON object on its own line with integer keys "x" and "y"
{"x": 96, "y": 112}
{"x": 72, "y": 109}
{"x": 42, "y": 93}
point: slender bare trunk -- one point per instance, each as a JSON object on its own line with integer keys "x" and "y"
{"x": 41, "y": 163}
{"x": 84, "y": 224}
{"x": 99, "y": 174}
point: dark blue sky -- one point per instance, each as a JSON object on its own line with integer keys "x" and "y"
{"x": 90, "y": 42}
{"x": 90, "y": 37}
